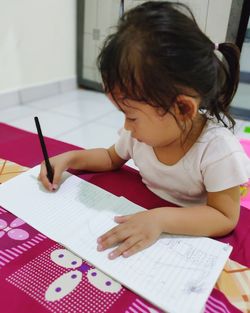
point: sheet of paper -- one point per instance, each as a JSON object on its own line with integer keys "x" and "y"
{"x": 177, "y": 273}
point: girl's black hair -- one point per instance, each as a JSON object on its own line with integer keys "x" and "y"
{"x": 159, "y": 52}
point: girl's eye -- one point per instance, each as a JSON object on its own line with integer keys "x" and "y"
{"x": 130, "y": 119}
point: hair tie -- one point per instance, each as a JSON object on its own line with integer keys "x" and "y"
{"x": 216, "y": 46}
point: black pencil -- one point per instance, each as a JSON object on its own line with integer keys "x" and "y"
{"x": 45, "y": 154}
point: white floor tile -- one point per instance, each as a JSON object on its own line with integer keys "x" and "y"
{"x": 114, "y": 119}
{"x": 52, "y": 102}
{"x": 52, "y": 124}
{"x": 242, "y": 97}
{"x": 8, "y": 115}
{"x": 238, "y": 126}
{"x": 85, "y": 110}
{"x": 93, "y": 135}
{"x": 242, "y": 130}
{"x": 94, "y": 95}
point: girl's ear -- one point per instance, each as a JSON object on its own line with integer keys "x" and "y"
{"x": 185, "y": 107}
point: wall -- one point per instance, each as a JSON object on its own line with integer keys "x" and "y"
{"x": 37, "y": 42}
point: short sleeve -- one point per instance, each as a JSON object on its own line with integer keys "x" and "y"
{"x": 225, "y": 165}
{"x": 124, "y": 145}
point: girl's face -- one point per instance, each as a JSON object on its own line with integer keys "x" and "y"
{"x": 148, "y": 124}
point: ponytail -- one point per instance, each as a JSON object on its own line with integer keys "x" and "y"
{"x": 228, "y": 74}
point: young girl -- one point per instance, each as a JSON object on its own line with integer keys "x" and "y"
{"x": 164, "y": 74}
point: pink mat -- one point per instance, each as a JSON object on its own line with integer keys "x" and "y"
{"x": 245, "y": 201}
{"x": 27, "y": 267}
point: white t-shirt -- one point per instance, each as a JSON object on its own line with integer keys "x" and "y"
{"x": 215, "y": 162}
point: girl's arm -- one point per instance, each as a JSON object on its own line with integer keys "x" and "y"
{"x": 95, "y": 160}
{"x": 217, "y": 218}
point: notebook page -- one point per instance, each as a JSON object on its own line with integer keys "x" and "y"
{"x": 56, "y": 214}
{"x": 177, "y": 273}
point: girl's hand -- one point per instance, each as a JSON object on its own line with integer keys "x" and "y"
{"x": 59, "y": 164}
{"x": 135, "y": 233}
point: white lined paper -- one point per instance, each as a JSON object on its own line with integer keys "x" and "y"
{"x": 177, "y": 273}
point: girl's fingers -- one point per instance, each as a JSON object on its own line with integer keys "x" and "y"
{"x": 57, "y": 178}
{"x": 112, "y": 237}
{"x": 43, "y": 178}
{"x": 139, "y": 246}
{"x": 105, "y": 236}
{"x": 122, "y": 219}
{"x": 127, "y": 245}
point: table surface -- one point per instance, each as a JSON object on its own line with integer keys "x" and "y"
{"x": 30, "y": 276}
